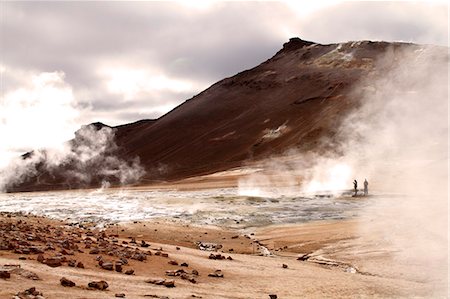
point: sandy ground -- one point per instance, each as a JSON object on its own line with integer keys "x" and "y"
{"x": 339, "y": 264}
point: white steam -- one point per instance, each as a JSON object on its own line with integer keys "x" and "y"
{"x": 398, "y": 140}
{"x": 41, "y": 117}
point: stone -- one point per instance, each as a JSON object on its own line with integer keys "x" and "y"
{"x": 169, "y": 283}
{"x": 217, "y": 273}
{"x": 66, "y": 282}
{"x": 107, "y": 266}
{"x": 273, "y": 296}
{"x": 119, "y": 295}
{"x": 40, "y": 258}
{"x": 184, "y": 265}
{"x": 80, "y": 265}
{"x": 194, "y": 272}
{"x": 72, "y": 263}
{"x": 25, "y": 273}
{"x": 172, "y": 262}
{"x": 118, "y": 267}
{"x": 53, "y": 262}
{"x": 99, "y": 285}
{"x": 4, "y": 274}
{"x": 285, "y": 266}
{"x": 129, "y": 272}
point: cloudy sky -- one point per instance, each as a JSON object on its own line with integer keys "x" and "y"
{"x": 64, "y": 64}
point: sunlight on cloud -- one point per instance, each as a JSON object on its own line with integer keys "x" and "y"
{"x": 41, "y": 114}
{"x": 131, "y": 82}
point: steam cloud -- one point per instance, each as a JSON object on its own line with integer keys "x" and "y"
{"x": 398, "y": 140}
{"x": 90, "y": 157}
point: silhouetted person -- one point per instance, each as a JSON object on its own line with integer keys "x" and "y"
{"x": 366, "y": 187}
{"x": 355, "y": 186}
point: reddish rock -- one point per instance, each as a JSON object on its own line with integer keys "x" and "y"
{"x": 99, "y": 285}
{"x": 80, "y": 265}
{"x": 53, "y": 262}
{"x": 66, "y": 282}
{"x": 4, "y": 274}
{"x": 129, "y": 272}
{"x": 107, "y": 266}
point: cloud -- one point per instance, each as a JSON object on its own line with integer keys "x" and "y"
{"x": 39, "y": 114}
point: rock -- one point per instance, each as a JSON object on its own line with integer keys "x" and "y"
{"x": 177, "y": 248}
{"x": 99, "y": 285}
{"x": 285, "y": 266}
{"x": 229, "y": 258}
{"x": 172, "y": 262}
{"x": 53, "y": 262}
{"x": 107, "y": 266}
{"x": 94, "y": 251}
{"x": 80, "y": 265}
{"x": 129, "y": 272}
{"x": 40, "y": 258}
{"x": 163, "y": 254}
{"x": 169, "y": 283}
{"x": 4, "y": 274}
{"x": 30, "y": 293}
{"x": 235, "y": 237}
{"x": 194, "y": 272}
{"x": 72, "y": 263}
{"x": 118, "y": 267}
{"x": 217, "y": 273}
{"x": 217, "y": 256}
{"x": 120, "y": 295}
{"x": 22, "y": 258}
{"x": 273, "y": 296}
{"x": 143, "y": 244}
{"x": 208, "y": 246}
{"x": 66, "y": 282}
{"x": 184, "y": 265}
{"x": 25, "y": 273}
{"x": 303, "y": 257}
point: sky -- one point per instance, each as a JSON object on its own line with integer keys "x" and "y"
{"x": 65, "y": 64}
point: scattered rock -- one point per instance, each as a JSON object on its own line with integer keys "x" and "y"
{"x": 80, "y": 265}
{"x": 208, "y": 246}
{"x": 118, "y": 267}
{"x": 129, "y": 272}
{"x": 66, "y": 282}
{"x": 53, "y": 262}
{"x": 194, "y": 272}
{"x": 167, "y": 283}
{"x": 30, "y": 293}
{"x": 120, "y": 295}
{"x": 217, "y": 273}
{"x": 184, "y": 265}
{"x": 25, "y": 273}
{"x": 4, "y": 274}
{"x": 273, "y": 296}
{"x": 107, "y": 266}
{"x": 285, "y": 266}
{"x": 99, "y": 285}
{"x": 217, "y": 256}
{"x": 172, "y": 262}
{"x": 303, "y": 257}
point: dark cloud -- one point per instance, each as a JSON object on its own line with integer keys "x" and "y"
{"x": 198, "y": 45}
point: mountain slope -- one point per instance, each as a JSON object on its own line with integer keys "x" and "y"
{"x": 296, "y": 99}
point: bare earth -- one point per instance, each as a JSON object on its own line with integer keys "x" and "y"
{"x": 339, "y": 264}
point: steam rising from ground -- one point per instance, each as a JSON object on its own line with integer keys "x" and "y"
{"x": 90, "y": 157}
{"x": 398, "y": 140}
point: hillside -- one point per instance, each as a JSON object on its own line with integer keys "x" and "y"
{"x": 296, "y": 99}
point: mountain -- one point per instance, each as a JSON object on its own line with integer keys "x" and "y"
{"x": 296, "y": 99}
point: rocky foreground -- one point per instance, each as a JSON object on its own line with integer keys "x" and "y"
{"x": 42, "y": 258}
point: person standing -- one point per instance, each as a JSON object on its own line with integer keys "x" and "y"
{"x": 355, "y": 186}
{"x": 366, "y": 187}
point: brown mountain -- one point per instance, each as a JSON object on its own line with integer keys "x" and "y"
{"x": 297, "y": 99}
